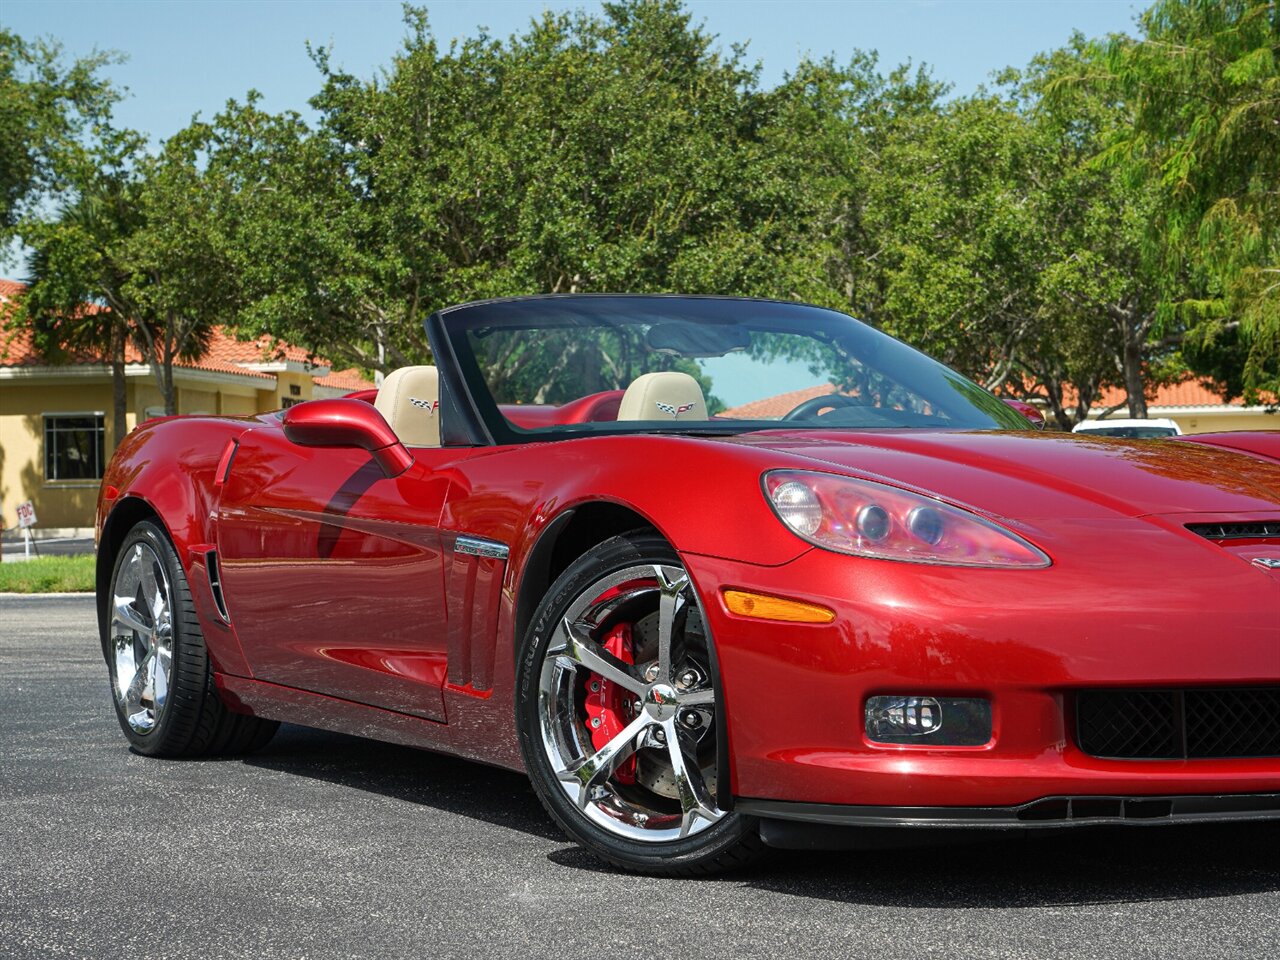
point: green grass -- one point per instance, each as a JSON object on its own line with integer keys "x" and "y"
{"x": 48, "y": 575}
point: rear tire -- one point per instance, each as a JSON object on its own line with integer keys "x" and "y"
{"x": 161, "y": 678}
{"x": 622, "y": 743}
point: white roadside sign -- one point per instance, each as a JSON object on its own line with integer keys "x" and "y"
{"x": 26, "y": 514}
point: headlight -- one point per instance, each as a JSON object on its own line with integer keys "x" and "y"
{"x": 870, "y": 519}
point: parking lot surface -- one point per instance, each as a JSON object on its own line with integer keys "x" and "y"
{"x": 330, "y": 846}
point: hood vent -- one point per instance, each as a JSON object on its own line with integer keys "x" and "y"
{"x": 1248, "y": 530}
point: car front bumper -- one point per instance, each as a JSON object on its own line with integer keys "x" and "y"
{"x": 794, "y": 695}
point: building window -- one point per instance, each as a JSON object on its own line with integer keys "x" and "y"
{"x": 73, "y": 446}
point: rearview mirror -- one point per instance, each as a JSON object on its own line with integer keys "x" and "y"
{"x": 347, "y": 423}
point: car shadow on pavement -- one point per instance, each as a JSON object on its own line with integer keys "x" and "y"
{"x": 473, "y": 790}
{"x": 1080, "y": 868}
{"x": 1076, "y": 867}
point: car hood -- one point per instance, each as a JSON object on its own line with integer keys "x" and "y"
{"x": 1032, "y": 476}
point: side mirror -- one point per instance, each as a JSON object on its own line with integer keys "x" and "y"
{"x": 347, "y": 423}
{"x": 1028, "y": 411}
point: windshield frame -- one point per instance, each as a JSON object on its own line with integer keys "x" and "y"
{"x": 471, "y": 416}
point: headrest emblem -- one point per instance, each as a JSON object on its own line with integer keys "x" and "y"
{"x": 674, "y": 410}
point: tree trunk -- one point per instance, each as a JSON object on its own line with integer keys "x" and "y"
{"x": 119, "y": 398}
{"x": 166, "y": 386}
{"x": 1133, "y": 380}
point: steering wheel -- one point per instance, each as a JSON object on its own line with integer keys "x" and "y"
{"x": 810, "y": 407}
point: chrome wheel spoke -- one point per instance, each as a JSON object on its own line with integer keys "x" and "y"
{"x": 584, "y": 651}
{"x": 140, "y": 690}
{"x": 594, "y": 770}
{"x": 669, "y": 603}
{"x": 141, "y": 637}
{"x": 698, "y": 698}
{"x": 643, "y": 783}
{"x": 127, "y": 617}
{"x": 161, "y": 661}
{"x": 151, "y": 592}
{"x": 695, "y": 800}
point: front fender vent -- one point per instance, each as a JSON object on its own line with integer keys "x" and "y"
{"x": 215, "y": 584}
{"x": 1248, "y": 530}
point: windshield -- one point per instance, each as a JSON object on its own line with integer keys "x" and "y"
{"x": 609, "y": 364}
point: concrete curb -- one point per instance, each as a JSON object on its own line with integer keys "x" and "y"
{"x": 54, "y": 596}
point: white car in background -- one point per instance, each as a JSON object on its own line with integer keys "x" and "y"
{"x": 1133, "y": 429}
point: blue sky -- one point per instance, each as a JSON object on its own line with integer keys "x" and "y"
{"x": 189, "y": 56}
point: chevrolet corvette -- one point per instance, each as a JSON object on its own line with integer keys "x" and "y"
{"x": 717, "y": 574}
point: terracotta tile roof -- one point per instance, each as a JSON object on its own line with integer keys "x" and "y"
{"x": 349, "y": 380}
{"x": 228, "y": 349}
{"x": 776, "y": 406}
{"x": 226, "y": 354}
{"x": 1186, "y": 393}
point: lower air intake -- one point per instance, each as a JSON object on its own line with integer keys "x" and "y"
{"x": 1187, "y": 724}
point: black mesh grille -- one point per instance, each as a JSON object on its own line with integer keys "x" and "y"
{"x": 1179, "y": 724}
{"x": 1252, "y": 530}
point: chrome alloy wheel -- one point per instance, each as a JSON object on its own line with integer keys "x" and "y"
{"x": 141, "y": 637}
{"x": 668, "y": 720}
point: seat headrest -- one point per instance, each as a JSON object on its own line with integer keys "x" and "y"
{"x": 409, "y": 400}
{"x": 663, "y": 396}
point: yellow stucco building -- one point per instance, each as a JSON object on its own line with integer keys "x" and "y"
{"x": 56, "y": 431}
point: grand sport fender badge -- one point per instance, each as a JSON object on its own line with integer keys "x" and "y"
{"x": 674, "y": 410}
{"x": 480, "y": 547}
{"x": 1267, "y": 563}
{"x": 431, "y": 406}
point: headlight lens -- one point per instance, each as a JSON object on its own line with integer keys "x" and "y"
{"x": 869, "y": 519}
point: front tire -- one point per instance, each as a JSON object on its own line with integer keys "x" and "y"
{"x": 616, "y": 711}
{"x": 161, "y": 678}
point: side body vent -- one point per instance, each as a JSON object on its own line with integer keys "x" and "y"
{"x": 215, "y": 584}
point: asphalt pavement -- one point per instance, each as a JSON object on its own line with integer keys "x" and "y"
{"x": 328, "y": 846}
{"x": 16, "y": 549}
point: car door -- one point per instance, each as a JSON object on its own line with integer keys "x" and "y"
{"x": 332, "y": 573}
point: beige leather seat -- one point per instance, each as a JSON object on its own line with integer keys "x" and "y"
{"x": 663, "y": 396}
{"x": 409, "y": 400}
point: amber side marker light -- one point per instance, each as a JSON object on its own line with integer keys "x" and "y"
{"x": 761, "y": 606}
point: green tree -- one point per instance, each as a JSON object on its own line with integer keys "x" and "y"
{"x": 136, "y": 254}
{"x": 1203, "y": 82}
{"x": 46, "y": 108}
{"x": 591, "y": 153}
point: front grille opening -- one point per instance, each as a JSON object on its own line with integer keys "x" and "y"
{"x": 1186, "y": 724}
{"x": 1248, "y": 530}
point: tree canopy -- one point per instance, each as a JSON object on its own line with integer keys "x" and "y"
{"x": 1102, "y": 216}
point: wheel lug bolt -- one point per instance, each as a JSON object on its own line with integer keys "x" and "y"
{"x": 688, "y": 678}
{"x": 692, "y": 719}
{"x": 660, "y": 736}
{"x": 651, "y": 674}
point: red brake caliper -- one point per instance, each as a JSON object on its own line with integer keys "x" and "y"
{"x": 607, "y": 702}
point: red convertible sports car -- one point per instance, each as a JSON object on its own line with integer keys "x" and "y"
{"x": 716, "y": 573}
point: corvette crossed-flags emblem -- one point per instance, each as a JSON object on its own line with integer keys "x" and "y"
{"x": 428, "y": 405}
{"x": 674, "y": 410}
